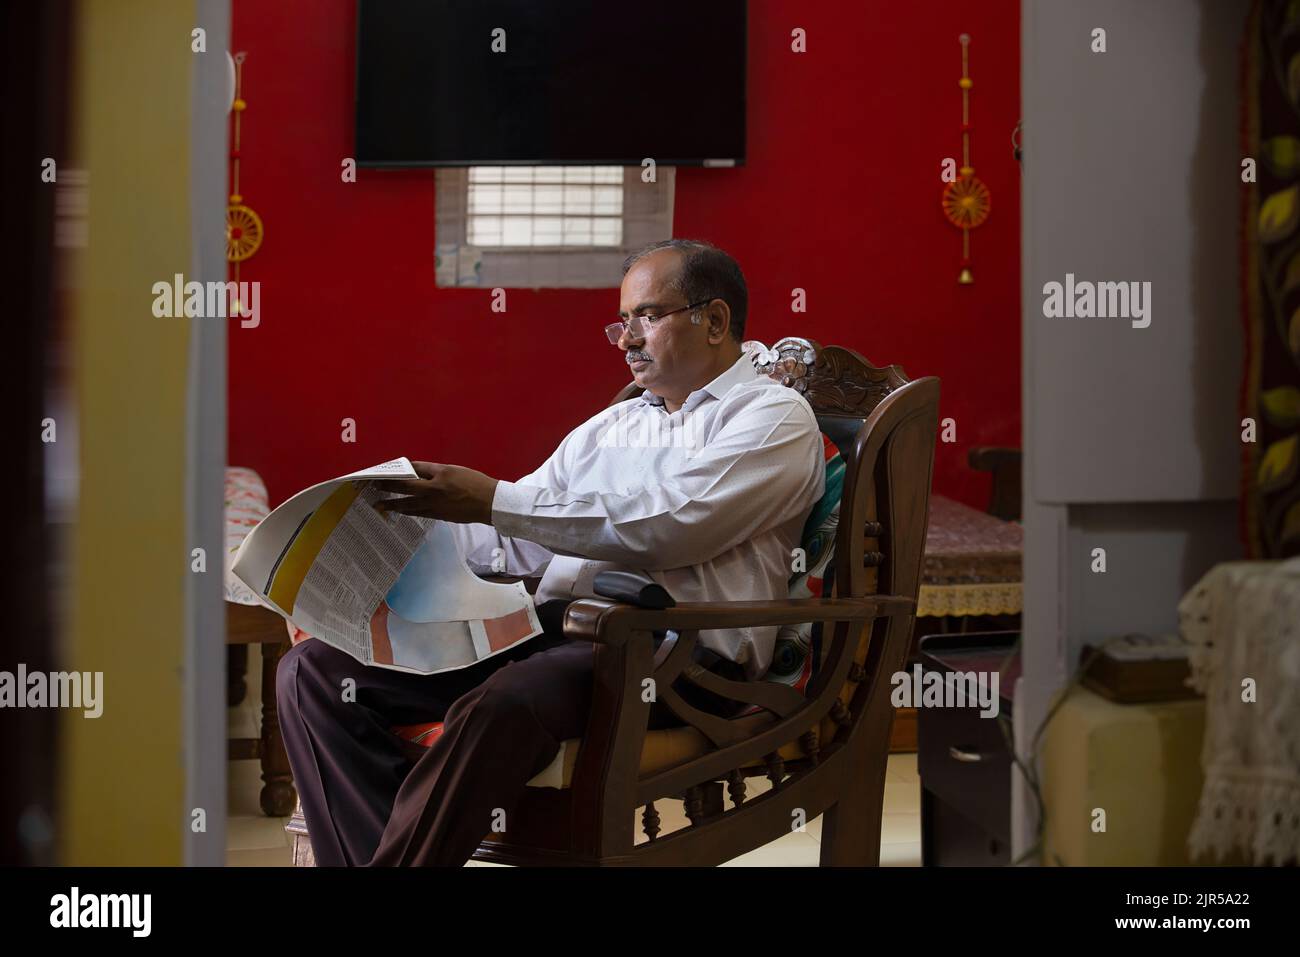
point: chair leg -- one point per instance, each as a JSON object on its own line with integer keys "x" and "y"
{"x": 236, "y": 674}
{"x": 851, "y": 827}
{"x": 278, "y": 795}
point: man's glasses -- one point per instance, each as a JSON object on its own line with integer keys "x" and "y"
{"x": 638, "y": 326}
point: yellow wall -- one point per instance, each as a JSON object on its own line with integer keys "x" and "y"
{"x": 122, "y": 775}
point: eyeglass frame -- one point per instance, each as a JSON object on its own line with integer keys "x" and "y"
{"x": 626, "y": 324}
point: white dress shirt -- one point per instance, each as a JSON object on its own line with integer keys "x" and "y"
{"x": 709, "y": 501}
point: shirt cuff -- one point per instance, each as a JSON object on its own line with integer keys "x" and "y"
{"x": 512, "y": 503}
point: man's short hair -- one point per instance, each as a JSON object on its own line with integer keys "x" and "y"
{"x": 706, "y": 273}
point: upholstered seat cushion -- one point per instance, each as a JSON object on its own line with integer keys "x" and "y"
{"x": 662, "y": 750}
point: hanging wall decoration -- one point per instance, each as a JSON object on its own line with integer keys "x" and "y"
{"x": 243, "y": 225}
{"x": 966, "y": 200}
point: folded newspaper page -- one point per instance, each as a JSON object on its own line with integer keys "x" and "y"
{"x": 391, "y": 590}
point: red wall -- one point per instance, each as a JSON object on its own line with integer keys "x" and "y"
{"x": 840, "y": 196}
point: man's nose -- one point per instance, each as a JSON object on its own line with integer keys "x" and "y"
{"x": 626, "y": 340}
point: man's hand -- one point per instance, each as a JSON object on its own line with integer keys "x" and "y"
{"x": 448, "y": 492}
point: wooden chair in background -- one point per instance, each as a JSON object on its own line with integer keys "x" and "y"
{"x": 1005, "y": 464}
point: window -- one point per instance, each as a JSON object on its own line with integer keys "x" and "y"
{"x": 546, "y": 226}
{"x": 545, "y": 206}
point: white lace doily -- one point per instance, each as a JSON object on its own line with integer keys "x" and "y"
{"x": 1243, "y": 622}
{"x": 986, "y": 598}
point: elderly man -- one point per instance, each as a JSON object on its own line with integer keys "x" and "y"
{"x": 711, "y": 509}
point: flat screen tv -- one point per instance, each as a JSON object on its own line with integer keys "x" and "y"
{"x": 498, "y": 82}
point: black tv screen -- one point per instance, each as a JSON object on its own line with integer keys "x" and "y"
{"x": 579, "y": 82}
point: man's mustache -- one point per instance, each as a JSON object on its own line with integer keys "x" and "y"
{"x": 636, "y": 355}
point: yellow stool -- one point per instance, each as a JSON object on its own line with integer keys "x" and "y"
{"x": 1140, "y": 763}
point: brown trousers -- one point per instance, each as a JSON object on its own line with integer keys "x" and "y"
{"x": 370, "y": 797}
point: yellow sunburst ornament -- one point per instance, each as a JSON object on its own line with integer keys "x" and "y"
{"x": 966, "y": 203}
{"x": 243, "y": 231}
{"x": 966, "y": 200}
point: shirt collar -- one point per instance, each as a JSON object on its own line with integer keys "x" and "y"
{"x": 742, "y": 370}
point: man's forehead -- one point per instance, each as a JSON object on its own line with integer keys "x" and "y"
{"x": 649, "y": 282}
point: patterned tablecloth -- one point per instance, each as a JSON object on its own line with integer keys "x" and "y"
{"x": 972, "y": 563}
{"x": 246, "y": 505}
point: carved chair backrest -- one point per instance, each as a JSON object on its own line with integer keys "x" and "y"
{"x": 884, "y": 426}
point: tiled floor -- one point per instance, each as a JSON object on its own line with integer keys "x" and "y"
{"x": 254, "y": 840}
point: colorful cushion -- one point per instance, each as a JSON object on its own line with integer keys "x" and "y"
{"x": 798, "y": 652}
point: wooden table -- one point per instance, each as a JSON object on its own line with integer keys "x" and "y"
{"x": 254, "y": 625}
{"x": 972, "y": 563}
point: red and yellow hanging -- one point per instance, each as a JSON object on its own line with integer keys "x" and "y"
{"x": 966, "y": 200}
{"x": 243, "y": 226}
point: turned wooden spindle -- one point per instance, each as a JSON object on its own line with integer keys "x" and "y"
{"x": 650, "y": 821}
{"x": 694, "y": 804}
{"x": 775, "y": 769}
{"x": 736, "y": 788}
{"x": 857, "y": 672}
{"x": 840, "y": 714}
{"x": 811, "y": 747}
{"x": 872, "y": 559}
{"x": 874, "y": 529}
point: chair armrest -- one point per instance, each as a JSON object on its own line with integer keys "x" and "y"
{"x": 986, "y": 458}
{"x": 632, "y": 589}
{"x": 605, "y": 622}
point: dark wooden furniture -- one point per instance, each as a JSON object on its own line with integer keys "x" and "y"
{"x": 963, "y": 758}
{"x": 253, "y": 624}
{"x": 824, "y": 753}
{"x": 1132, "y": 680}
{"x": 1006, "y": 465}
{"x": 236, "y": 675}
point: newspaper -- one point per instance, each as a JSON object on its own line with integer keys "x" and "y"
{"x": 391, "y": 590}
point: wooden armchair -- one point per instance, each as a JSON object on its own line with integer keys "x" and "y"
{"x": 825, "y": 750}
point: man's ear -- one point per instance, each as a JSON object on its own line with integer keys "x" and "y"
{"x": 719, "y": 321}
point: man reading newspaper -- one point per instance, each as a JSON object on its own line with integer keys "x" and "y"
{"x": 710, "y": 507}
